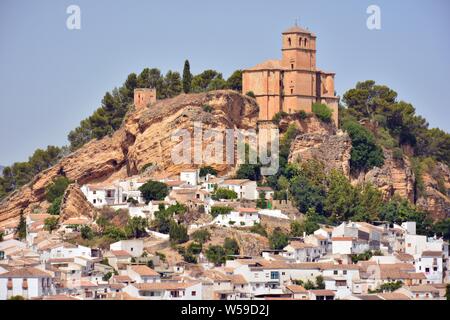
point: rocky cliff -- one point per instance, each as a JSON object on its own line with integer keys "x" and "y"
{"x": 396, "y": 177}
{"x": 332, "y": 150}
{"x": 145, "y": 137}
{"x": 436, "y": 194}
{"x": 75, "y": 204}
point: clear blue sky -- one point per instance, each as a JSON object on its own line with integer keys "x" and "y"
{"x": 51, "y": 77}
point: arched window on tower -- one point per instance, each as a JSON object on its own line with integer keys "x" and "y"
{"x": 300, "y": 42}
{"x": 306, "y": 42}
{"x": 290, "y": 41}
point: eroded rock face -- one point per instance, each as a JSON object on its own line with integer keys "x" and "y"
{"x": 93, "y": 162}
{"x": 75, "y": 204}
{"x": 250, "y": 244}
{"x": 394, "y": 178}
{"x": 153, "y": 128}
{"x": 333, "y": 150}
{"x": 309, "y": 125}
{"x": 436, "y": 196}
{"x": 145, "y": 137}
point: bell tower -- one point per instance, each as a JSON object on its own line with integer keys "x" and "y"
{"x": 299, "y": 49}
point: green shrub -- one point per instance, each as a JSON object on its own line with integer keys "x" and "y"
{"x": 322, "y": 112}
{"x": 154, "y": 190}
{"x": 302, "y": 115}
{"x": 215, "y": 254}
{"x": 397, "y": 154}
{"x": 207, "y": 108}
{"x": 87, "y": 233}
{"x": 259, "y": 229}
{"x": 278, "y": 116}
{"x": 278, "y": 239}
{"x": 194, "y": 248}
{"x": 146, "y": 166}
{"x": 50, "y": 224}
{"x": 251, "y": 94}
{"x": 161, "y": 256}
{"x": 216, "y": 210}
{"x": 201, "y": 236}
{"x": 55, "y": 207}
{"x": 231, "y": 246}
{"x": 56, "y": 189}
{"x": 226, "y": 194}
{"x": 207, "y": 170}
{"x": 365, "y": 153}
{"x": 178, "y": 233}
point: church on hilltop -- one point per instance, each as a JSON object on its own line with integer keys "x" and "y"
{"x": 293, "y": 83}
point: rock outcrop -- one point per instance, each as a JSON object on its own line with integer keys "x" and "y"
{"x": 250, "y": 244}
{"x": 76, "y": 205}
{"x": 394, "y": 178}
{"x": 435, "y": 197}
{"x": 332, "y": 150}
{"x": 145, "y": 137}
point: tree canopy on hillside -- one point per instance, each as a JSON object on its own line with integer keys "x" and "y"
{"x": 379, "y": 105}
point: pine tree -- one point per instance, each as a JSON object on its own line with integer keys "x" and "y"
{"x": 187, "y": 77}
{"x": 22, "y": 227}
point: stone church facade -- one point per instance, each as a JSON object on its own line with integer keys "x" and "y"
{"x": 293, "y": 83}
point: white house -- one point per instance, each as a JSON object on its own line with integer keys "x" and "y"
{"x": 99, "y": 195}
{"x": 118, "y": 259}
{"x": 320, "y": 241}
{"x": 302, "y": 252}
{"x": 190, "y": 176}
{"x": 11, "y": 244}
{"x": 129, "y": 189}
{"x": 348, "y": 245}
{"x": 211, "y": 183}
{"x": 117, "y": 193}
{"x": 65, "y": 250}
{"x": 420, "y": 292}
{"x": 245, "y": 189}
{"x": 340, "y": 278}
{"x": 142, "y": 274}
{"x": 27, "y": 282}
{"x": 431, "y": 264}
{"x": 409, "y": 227}
{"x": 244, "y": 217}
{"x": 165, "y": 290}
{"x": 415, "y": 244}
{"x": 134, "y": 247}
{"x": 263, "y": 277}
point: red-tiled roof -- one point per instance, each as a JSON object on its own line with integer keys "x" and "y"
{"x": 27, "y": 272}
{"x": 144, "y": 271}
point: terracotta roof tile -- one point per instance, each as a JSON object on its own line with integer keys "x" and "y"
{"x": 27, "y": 272}
{"x": 296, "y": 288}
{"x": 144, "y": 271}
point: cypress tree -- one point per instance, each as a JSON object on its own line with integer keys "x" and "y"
{"x": 22, "y": 227}
{"x": 187, "y": 77}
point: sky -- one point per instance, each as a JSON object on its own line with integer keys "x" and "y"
{"x": 52, "y": 77}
